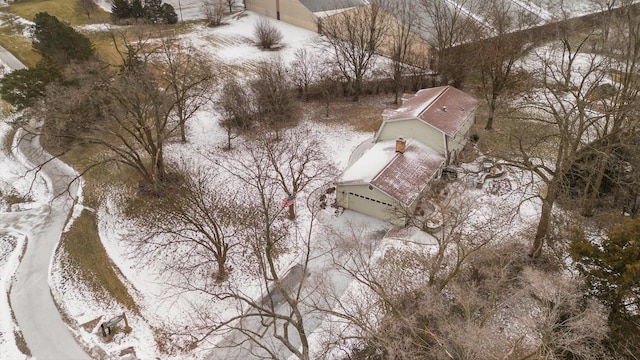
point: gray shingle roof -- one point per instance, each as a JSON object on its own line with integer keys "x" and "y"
{"x": 445, "y": 108}
{"x": 326, "y": 5}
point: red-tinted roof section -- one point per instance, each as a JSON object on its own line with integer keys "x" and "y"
{"x": 445, "y": 108}
{"x": 407, "y": 174}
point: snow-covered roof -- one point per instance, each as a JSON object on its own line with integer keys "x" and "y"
{"x": 399, "y": 175}
{"x": 445, "y": 108}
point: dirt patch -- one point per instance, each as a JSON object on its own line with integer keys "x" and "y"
{"x": 364, "y": 115}
{"x": 128, "y": 351}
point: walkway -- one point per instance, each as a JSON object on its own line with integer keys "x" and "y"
{"x": 46, "y": 335}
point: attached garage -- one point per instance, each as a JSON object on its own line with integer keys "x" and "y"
{"x": 389, "y": 179}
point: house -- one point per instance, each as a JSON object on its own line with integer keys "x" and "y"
{"x": 439, "y": 117}
{"x": 301, "y": 13}
{"x": 413, "y": 143}
{"x": 391, "y": 173}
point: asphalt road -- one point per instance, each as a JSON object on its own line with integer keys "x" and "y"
{"x": 10, "y": 60}
{"x": 46, "y": 335}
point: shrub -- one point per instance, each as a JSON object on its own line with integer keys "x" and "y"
{"x": 267, "y": 35}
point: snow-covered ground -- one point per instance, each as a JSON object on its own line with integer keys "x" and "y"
{"x": 157, "y": 299}
{"x": 31, "y": 192}
{"x": 229, "y": 44}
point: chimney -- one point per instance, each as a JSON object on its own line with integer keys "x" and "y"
{"x": 444, "y": 108}
{"x": 401, "y": 144}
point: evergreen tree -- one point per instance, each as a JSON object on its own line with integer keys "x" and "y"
{"x": 612, "y": 267}
{"x": 169, "y": 14}
{"x": 21, "y": 88}
{"x": 59, "y": 42}
{"x": 137, "y": 9}
{"x": 120, "y": 9}
{"x": 153, "y": 11}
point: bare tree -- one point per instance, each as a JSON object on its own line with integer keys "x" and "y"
{"x": 403, "y": 39}
{"x": 409, "y": 319}
{"x": 230, "y": 3}
{"x": 134, "y": 110}
{"x": 271, "y": 95}
{"x": 274, "y": 323}
{"x": 498, "y": 49}
{"x": 329, "y": 83}
{"x": 130, "y": 121}
{"x": 266, "y": 34}
{"x": 562, "y": 121}
{"x": 304, "y": 70}
{"x": 297, "y": 162}
{"x": 189, "y": 78}
{"x": 449, "y": 26}
{"x": 198, "y": 223}
{"x": 87, "y": 7}
{"x": 214, "y": 11}
{"x": 383, "y": 305}
{"x": 355, "y": 36}
{"x": 617, "y": 101}
{"x": 237, "y": 110}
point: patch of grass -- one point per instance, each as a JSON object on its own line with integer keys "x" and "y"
{"x": 90, "y": 325}
{"x": 11, "y": 39}
{"x": 103, "y": 42}
{"x": 62, "y": 9}
{"x": 12, "y": 199}
{"x": 85, "y": 253}
{"x": 364, "y": 115}
{"x": 11, "y": 33}
{"x": 514, "y": 130}
{"x": 99, "y": 177}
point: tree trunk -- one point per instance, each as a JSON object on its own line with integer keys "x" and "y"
{"x": 183, "y": 135}
{"x": 593, "y": 187}
{"x": 222, "y": 271}
{"x": 304, "y": 342}
{"x": 543, "y": 224}
{"x": 160, "y": 170}
{"x": 292, "y": 212}
{"x": 396, "y": 85}
{"x": 492, "y": 110}
{"x": 357, "y": 88}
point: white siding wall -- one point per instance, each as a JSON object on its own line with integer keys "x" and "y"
{"x": 367, "y": 201}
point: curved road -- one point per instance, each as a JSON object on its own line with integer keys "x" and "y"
{"x": 46, "y": 335}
